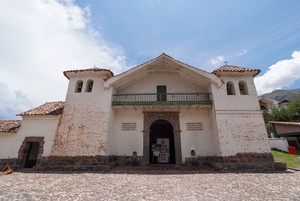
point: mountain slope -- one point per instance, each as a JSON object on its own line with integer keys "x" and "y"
{"x": 281, "y": 95}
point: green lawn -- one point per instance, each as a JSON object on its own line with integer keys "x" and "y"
{"x": 291, "y": 161}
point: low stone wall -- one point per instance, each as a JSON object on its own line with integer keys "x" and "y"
{"x": 85, "y": 163}
{"x": 10, "y": 162}
{"x": 240, "y": 161}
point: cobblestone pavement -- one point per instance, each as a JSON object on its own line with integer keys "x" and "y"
{"x": 122, "y": 186}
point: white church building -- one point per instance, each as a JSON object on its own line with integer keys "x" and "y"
{"x": 160, "y": 112}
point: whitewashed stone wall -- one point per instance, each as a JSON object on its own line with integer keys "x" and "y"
{"x": 241, "y": 132}
{"x": 238, "y": 119}
{"x": 194, "y": 137}
{"x": 125, "y": 140}
{"x": 84, "y": 125}
{"x": 32, "y": 126}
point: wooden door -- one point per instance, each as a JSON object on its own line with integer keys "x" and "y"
{"x": 161, "y": 93}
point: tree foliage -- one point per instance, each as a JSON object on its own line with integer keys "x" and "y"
{"x": 281, "y": 113}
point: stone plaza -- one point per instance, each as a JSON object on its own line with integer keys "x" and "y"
{"x": 151, "y": 185}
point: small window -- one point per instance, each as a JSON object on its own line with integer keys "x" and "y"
{"x": 78, "y": 88}
{"x": 243, "y": 88}
{"x": 230, "y": 88}
{"x": 89, "y": 86}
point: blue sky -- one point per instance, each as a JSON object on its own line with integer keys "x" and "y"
{"x": 196, "y": 31}
{"x": 40, "y": 39}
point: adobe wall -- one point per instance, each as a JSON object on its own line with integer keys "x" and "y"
{"x": 32, "y": 126}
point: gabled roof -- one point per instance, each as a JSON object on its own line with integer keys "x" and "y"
{"x": 48, "y": 108}
{"x": 235, "y": 69}
{"x": 267, "y": 100}
{"x": 164, "y": 64}
{"x": 10, "y": 126}
{"x": 68, "y": 73}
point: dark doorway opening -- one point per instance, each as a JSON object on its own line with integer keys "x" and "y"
{"x": 32, "y": 154}
{"x": 162, "y": 147}
{"x": 161, "y": 93}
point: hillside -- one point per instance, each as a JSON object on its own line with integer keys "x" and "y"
{"x": 280, "y": 95}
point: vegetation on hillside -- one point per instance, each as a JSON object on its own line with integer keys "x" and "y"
{"x": 281, "y": 95}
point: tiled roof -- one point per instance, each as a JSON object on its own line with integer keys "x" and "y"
{"x": 49, "y": 108}
{"x": 95, "y": 69}
{"x": 10, "y": 126}
{"x": 235, "y": 69}
{"x": 285, "y": 123}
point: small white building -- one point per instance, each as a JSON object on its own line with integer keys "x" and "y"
{"x": 160, "y": 112}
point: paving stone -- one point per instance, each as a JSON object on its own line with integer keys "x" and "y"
{"x": 155, "y": 185}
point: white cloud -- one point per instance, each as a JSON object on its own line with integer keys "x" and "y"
{"x": 12, "y": 103}
{"x": 242, "y": 53}
{"x": 279, "y": 75}
{"x": 40, "y": 39}
{"x": 217, "y": 60}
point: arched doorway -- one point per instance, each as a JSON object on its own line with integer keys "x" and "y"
{"x": 162, "y": 146}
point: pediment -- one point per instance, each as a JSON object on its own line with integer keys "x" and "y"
{"x": 164, "y": 64}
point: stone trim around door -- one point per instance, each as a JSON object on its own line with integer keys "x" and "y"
{"x": 173, "y": 118}
{"x": 24, "y": 148}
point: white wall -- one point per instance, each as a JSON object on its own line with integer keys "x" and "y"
{"x": 174, "y": 83}
{"x": 214, "y": 133}
{"x": 125, "y": 142}
{"x": 241, "y": 132}
{"x": 200, "y": 140}
{"x": 279, "y": 143}
{"x": 7, "y": 140}
{"x": 32, "y": 126}
{"x": 222, "y": 101}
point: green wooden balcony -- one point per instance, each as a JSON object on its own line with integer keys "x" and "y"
{"x": 162, "y": 99}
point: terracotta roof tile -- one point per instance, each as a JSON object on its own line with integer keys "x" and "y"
{"x": 285, "y": 123}
{"x": 235, "y": 69}
{"x": 49, "y": 108}
{"x": 95, "y": 69}
{"x": 10, "y": 126}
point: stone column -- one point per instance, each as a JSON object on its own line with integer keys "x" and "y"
{"x": 146, "y": 147}
{"x": 177, "y": 142}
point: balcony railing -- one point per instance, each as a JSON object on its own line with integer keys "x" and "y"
{"x": 162, "y": 99}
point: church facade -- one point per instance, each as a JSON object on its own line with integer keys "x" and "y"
{"x": 160, "y": 112}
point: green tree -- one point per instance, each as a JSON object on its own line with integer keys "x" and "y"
{"x": 293, "y": 111}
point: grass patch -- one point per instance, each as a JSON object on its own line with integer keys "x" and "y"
{"x": 291, "y": 161}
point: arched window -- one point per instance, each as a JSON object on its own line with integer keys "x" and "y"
{"x": 230, "y": 88}
{"x": 243, "y": 88}
{"x": 89, "y": 86}
{"x": 78, "y": 88}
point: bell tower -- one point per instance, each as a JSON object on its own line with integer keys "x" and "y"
{"x": 82, "y": 130}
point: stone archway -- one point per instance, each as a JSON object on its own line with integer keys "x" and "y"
{"x": 173, "y": 119}
{"x": 29, "y": 143}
